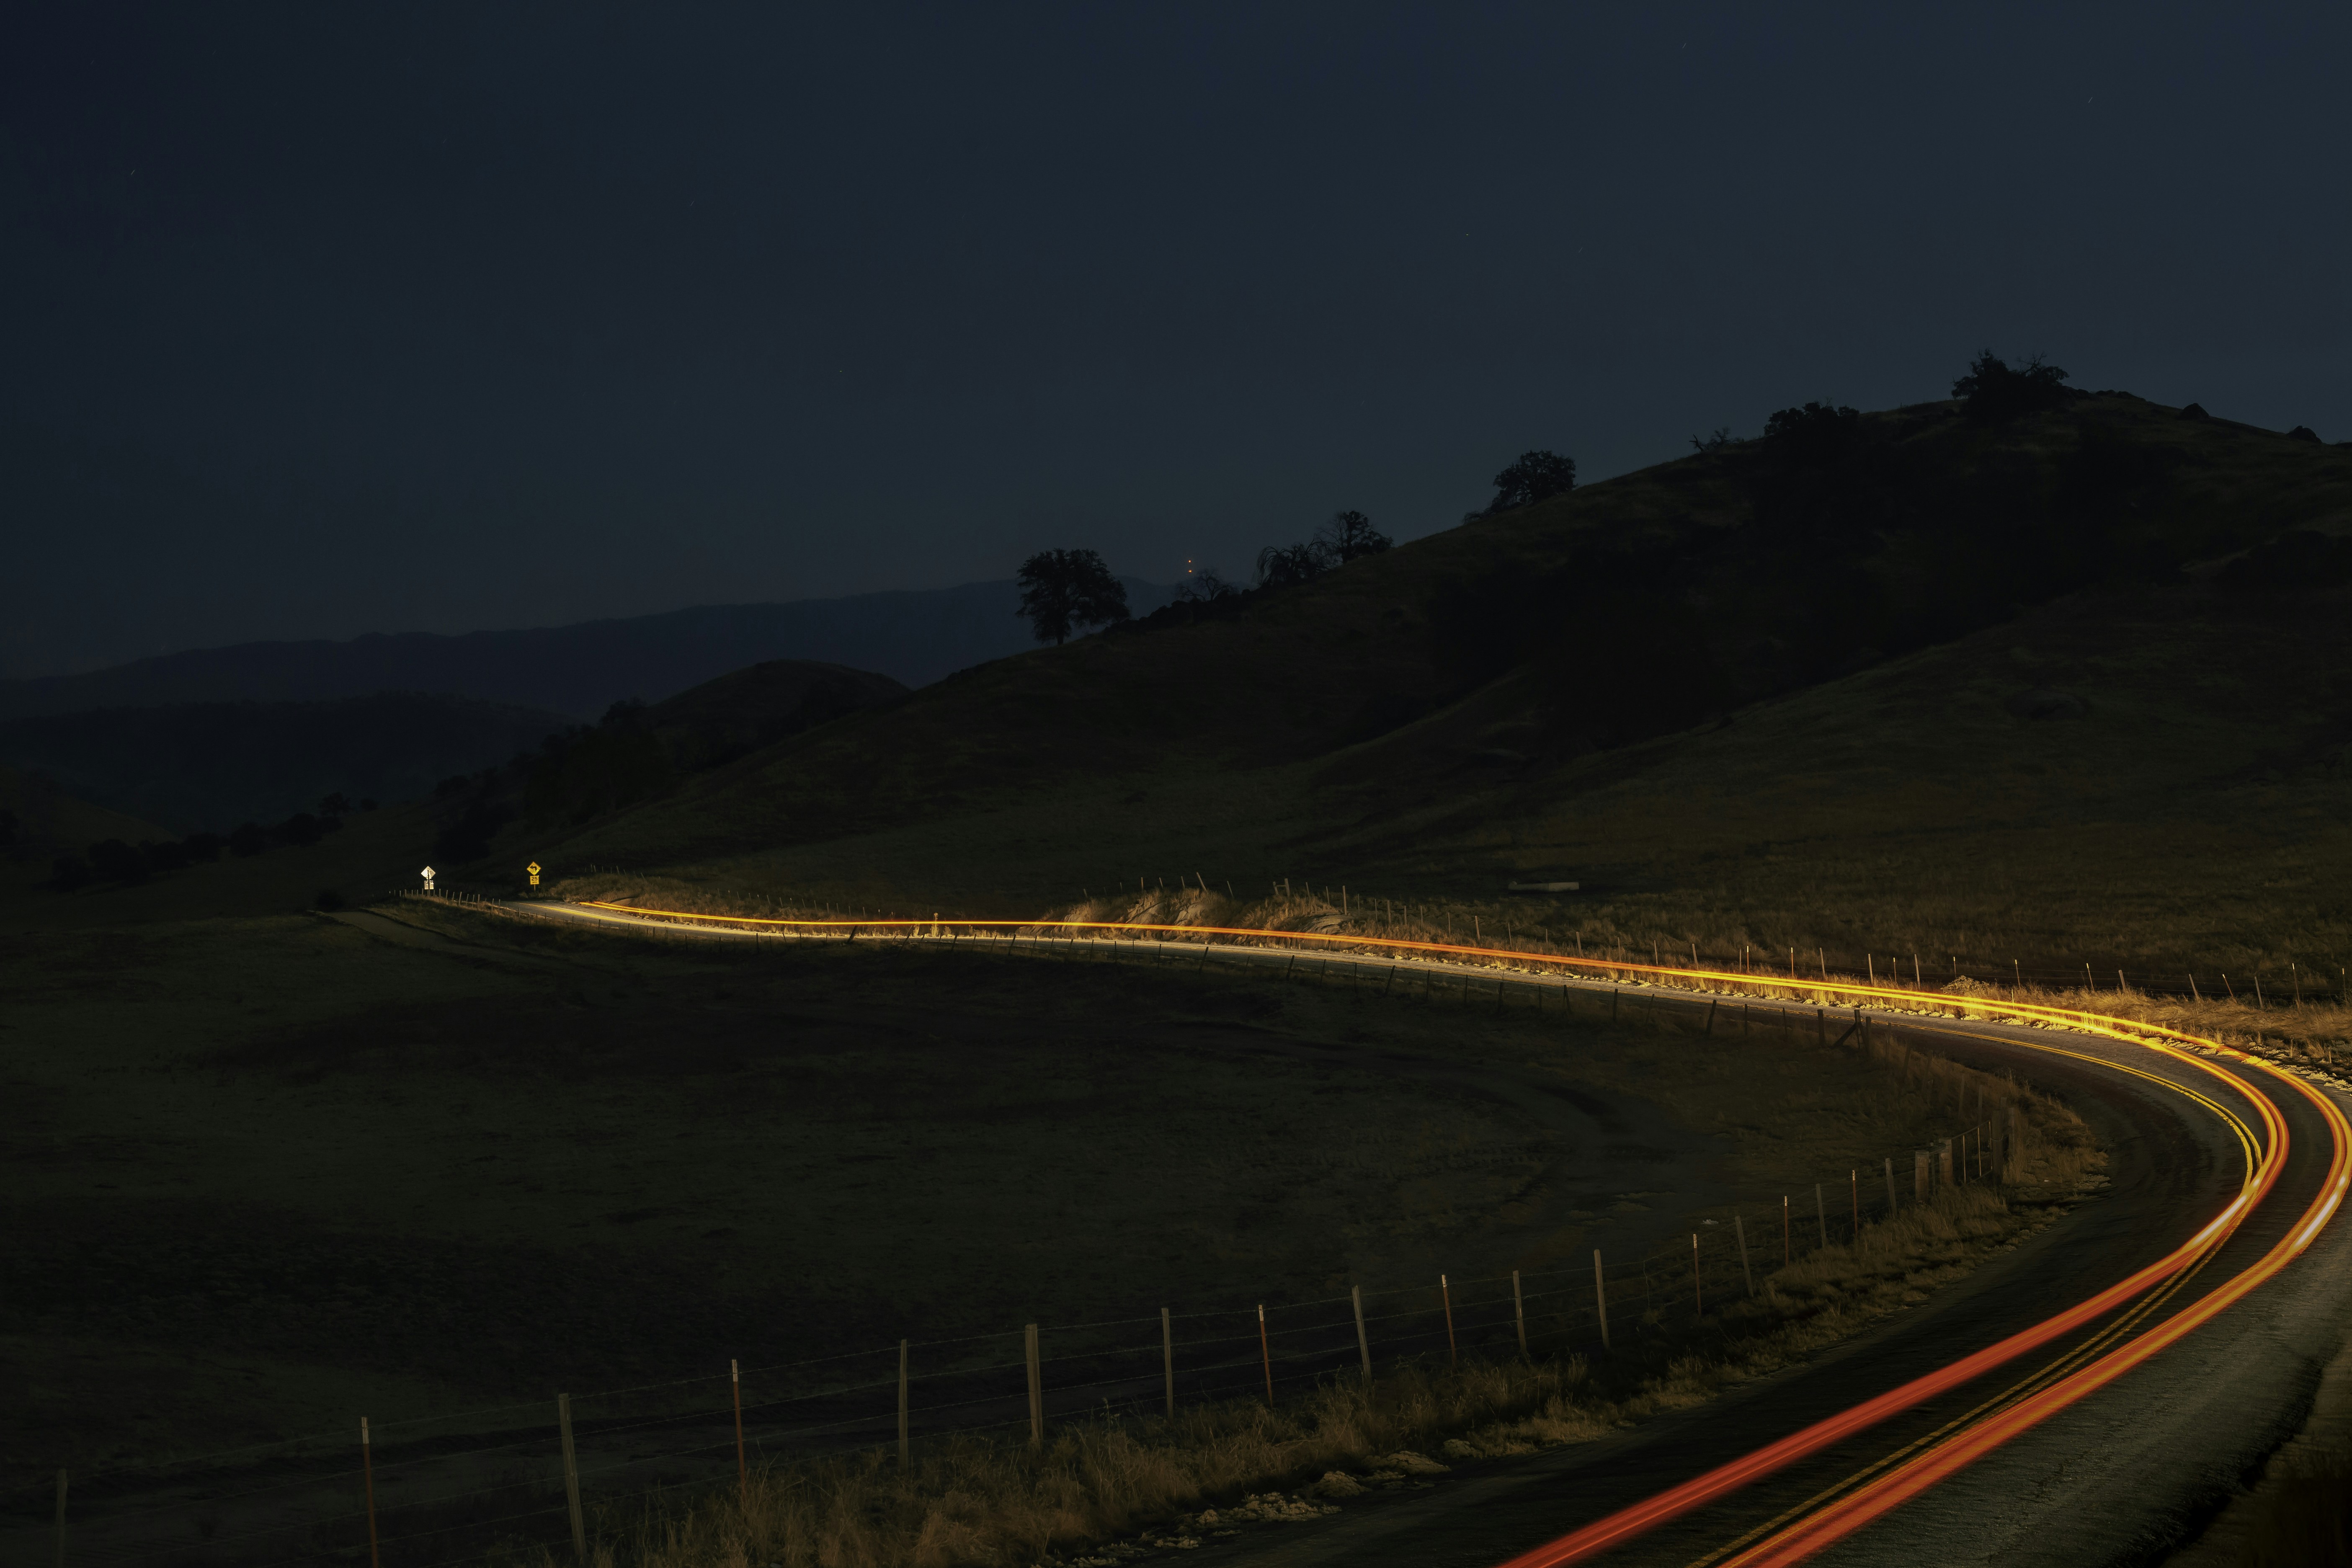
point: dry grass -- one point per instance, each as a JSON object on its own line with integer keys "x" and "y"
{"x": 2306, "y": 1519}
{"x": 977, "y": 1501}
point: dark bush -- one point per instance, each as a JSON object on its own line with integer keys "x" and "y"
{"x": 8, "y": 830}
{"x": 327, "y": 899}
{"x": 70, "y": 873}
{"x": 247, "y": 838}
{"x": 1349, "y": 536}
{"x": 1994, "y": 390}
{"x": 1814, "y": 437}
{"x": 2303, "y": 433}
{"x": 172, "y": 855}
{"x": 468, "y": 837}
{"x": 1537, "y": 475}
{"x": 1205, "y": 588}
{"x": 1288, "y": 565}
{"x": 454, "y": 785}
{"x": 203, "y": 848}
{"x": 113, "y": 861}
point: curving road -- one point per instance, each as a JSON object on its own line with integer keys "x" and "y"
{"x": 2118, "y": 1476}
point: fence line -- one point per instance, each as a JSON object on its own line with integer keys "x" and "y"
{"x": 1658, "y": 1292}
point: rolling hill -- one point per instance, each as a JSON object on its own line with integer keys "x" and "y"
{"x": 201, "y": 767}
{"x": 579, "y": 670}
{"x": 1896, "y": 681}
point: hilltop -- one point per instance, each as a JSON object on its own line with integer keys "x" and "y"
{"x": 1920, "y": 645}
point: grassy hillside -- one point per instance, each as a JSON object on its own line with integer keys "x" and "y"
{"x": 210, "y": 765}
{"x": 1759, "y": 696}
{"x": 45, "y": 819}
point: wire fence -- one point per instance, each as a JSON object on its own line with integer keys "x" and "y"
{"x": 449, "y": 1487}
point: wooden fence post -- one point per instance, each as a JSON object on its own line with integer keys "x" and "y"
{"x": 61, "y": 1519}
{"x": 1600, "y": 1297}
{"x": 1698, "y": 1293}
{"x": 1266, "y": 1352}
{"x": 1890, "y": 1186}
{"x": 1853, "y": 1175}
{"x": 1923, "y": 1172}
{"x": 571, "y": 1476}
{"x": 1822, "y": 1216}
{"x": 1363, "y": 1341}
{"x": 742, "y": 1470}
{"x": 1167, "y": 1358}
{"x": 1036, "y": 1389}
{"x": 1788, "y": 1253}
{"x": 367, "y": 1479}
{"x": 903, "y": 1434}
{"x": 1445, "y": 1295}
{"x": 1745, "y": 1273}
{"x": 1519, "y": 1314}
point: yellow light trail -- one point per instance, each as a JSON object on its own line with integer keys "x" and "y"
{"x": 1858, "y": 1507}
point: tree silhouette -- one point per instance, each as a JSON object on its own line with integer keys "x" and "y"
{"x": 1349, "y": 536}
{"x": 1204, "y": 587}
{"x": 1812, "y": 436}
{"x": 1537, "y": 475}
{"x": 1288, "y": 565}
{"x": 1066, "y": 591}
{"x": 1994, "y": 389}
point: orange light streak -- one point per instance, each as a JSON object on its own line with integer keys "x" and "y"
{"x": 1881, "y": 1496}
{"x": 1868, "y": 1503}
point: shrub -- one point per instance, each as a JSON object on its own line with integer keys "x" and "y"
{"x": 113, "y": 861}
{"x": 1994, "y": 390}
{"x": 1537, "y": 475}
{"x": 1287, "y": 565}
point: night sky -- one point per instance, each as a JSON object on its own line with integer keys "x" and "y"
{"x": 320, "y": 319}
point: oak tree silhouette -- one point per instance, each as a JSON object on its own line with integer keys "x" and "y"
{"x": 1537, "y": 475}
{"x": 1066, "y": 591}
{"x": 1994, "y": 390}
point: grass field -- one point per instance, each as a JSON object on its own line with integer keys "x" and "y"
{"x": 275, "y": 1172}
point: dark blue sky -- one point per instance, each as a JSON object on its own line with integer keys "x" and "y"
{"x": 321, "y": 321}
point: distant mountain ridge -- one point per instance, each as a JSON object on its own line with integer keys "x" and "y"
{"x": 916, "y": 637}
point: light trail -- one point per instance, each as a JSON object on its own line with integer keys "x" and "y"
{"x": 1875, "y": 1497}
{"x": 1616, "y": 1529}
